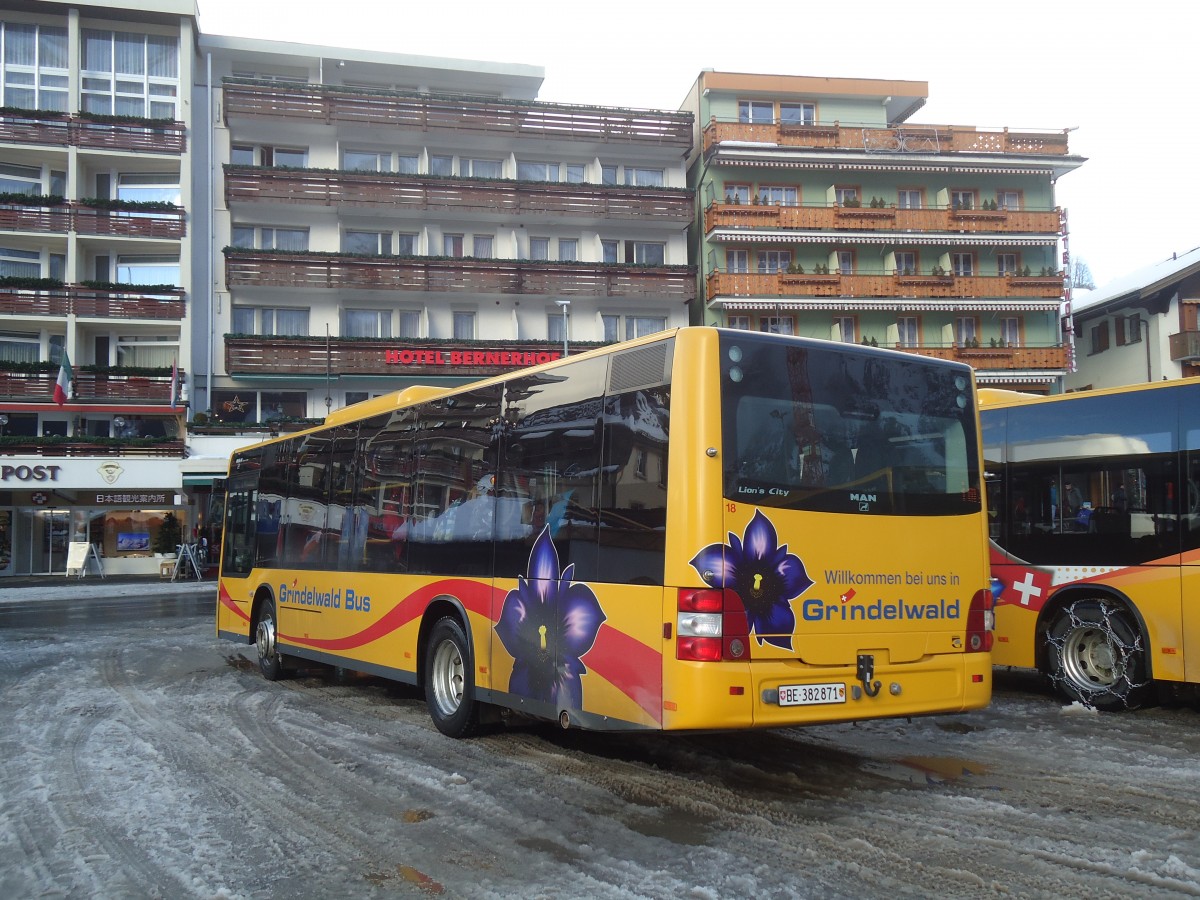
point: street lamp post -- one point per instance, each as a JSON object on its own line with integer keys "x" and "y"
{"x": 564, "y": 305}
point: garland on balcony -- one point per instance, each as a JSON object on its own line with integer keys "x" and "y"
{"x": 30, "y": 368}
{"x": 452, "y": 179}
{"x": 106, "y": 119}
{"x": 25, "y": 283}
{"x": 131, "y": 205}
{"x": 59, "y": 440}
{"x": 576, "y": 263}
{"x": 147, "y": 371}
{"x": 27, "y": 113}
{"x": 128, "y": 288}
{"x": 102, "y": 118}
{"x": 17, "y": 198}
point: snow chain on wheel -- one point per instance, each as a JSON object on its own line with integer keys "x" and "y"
{"x": 1096, "y": 655}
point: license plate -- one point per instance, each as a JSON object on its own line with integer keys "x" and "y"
{"x": 812, "y": 694}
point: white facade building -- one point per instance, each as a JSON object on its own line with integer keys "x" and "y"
{"x": 1140, "y": 328}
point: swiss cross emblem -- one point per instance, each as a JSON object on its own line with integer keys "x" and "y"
{"x": 1029, "y": 588}
{"x": 38, "y": 498}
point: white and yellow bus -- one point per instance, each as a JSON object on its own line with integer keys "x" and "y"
{"x": 701, "y": 529}
{"x": 1094, "y": 500}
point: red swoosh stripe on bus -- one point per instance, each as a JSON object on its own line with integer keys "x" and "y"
{"x": 473, "y": 595}
{"x": 630, "y": 666}
{"x": 616, "y": 657}
{"x": 227, "y": 601}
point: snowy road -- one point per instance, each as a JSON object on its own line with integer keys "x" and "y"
{"x": 144, "y": 758}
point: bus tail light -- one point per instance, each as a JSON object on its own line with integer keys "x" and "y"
{"x": 981, "y": 622}
{"x": 711, "y": 625}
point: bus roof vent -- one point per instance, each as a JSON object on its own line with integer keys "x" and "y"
{"x": 641, "y": 367}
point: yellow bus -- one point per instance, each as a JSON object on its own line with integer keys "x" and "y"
{"x": 1094, "y": 503}
{"x": 700, "y": 529}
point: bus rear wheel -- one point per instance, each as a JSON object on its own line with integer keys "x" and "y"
{"x": 449, "y": 681}
{"x": 270, "y": 662}
{"x": 1096, "y": 655}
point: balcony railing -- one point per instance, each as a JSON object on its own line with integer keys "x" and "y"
{"x": 781, "y": 284}
{"x": 85, "y": 446}
{"x": 832, "y": 218}
{"x": 84, "y": 219}
{"x": 266, "y": 355}
{"x": 337, "y": 105}
{"x": 92, "y": 303}
{"x": 419, "y": 193}
{"x": 88, "y": 387}
{"x": 1185, "y": 346}
{"x": 250, "y": 268}
{"x": 906, "y": 139}
{"x": 75, "y": 131}
{"x": 989, "y": 359}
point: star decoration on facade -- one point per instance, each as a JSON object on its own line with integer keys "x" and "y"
{"x": 235, "y": 405}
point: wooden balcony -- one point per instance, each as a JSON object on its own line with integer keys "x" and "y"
{"x": 42, "y": 219}
{"x": 421, "y": 193}
{"x": 725, "y": 284}
{"x": 506, "y": 119}
{"x": 992, "y": 359}
{"x": 245, "y": 355}
{"x": 840, "y": 218}
{"x": 85, "y": 446}
{"x": 254, "y": 268}
{"x": 1185, "y": 346}
{"x": 92, "y": 303}
{"x": 124, "y": 223}
{"x": 904, "y": 139}
{"x": 84, "y": 219}
{"x": 54, "y": 129}
{"x": 89, "y": 387}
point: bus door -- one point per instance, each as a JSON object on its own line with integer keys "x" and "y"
{"x": 241, "y": 524}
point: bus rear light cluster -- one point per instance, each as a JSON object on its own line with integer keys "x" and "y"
{"x": 981, "y": 622}
{"x": 711, "y": 625}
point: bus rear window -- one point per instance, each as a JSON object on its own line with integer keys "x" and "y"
{"x": 833, "y": 429}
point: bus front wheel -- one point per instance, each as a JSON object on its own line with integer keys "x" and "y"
{"x": 1096, "y": 655}
{"x": 449, "y": 682}
{"x": 270, "y": 663}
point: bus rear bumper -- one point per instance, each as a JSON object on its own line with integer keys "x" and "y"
{"x": 786, "y": 694}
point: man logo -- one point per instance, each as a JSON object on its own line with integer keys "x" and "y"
{"x": 864, "y": 498}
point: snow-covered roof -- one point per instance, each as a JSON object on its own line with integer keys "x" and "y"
{"x": 1141, "y": 282}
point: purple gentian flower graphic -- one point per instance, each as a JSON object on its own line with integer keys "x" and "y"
{"x": 765, "y": 576}
{"x": 547, "y": 625}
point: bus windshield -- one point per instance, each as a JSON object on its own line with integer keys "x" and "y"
{"x": 816, "y": 428}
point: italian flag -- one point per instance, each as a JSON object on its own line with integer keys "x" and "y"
{"x": 62, "y": 387}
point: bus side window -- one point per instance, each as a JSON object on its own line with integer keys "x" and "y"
{"x": 632, "y": 539}
{"x": 552, "y": 446}
{"x": 272, "y": 493}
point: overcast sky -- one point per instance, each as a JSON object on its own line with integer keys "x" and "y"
{"x": 1124, "y": 76}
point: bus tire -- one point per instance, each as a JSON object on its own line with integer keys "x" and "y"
{"x": 266, "y": 634}
{"x": 1096, "y": 655}
{"x": 449, "y": 681}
